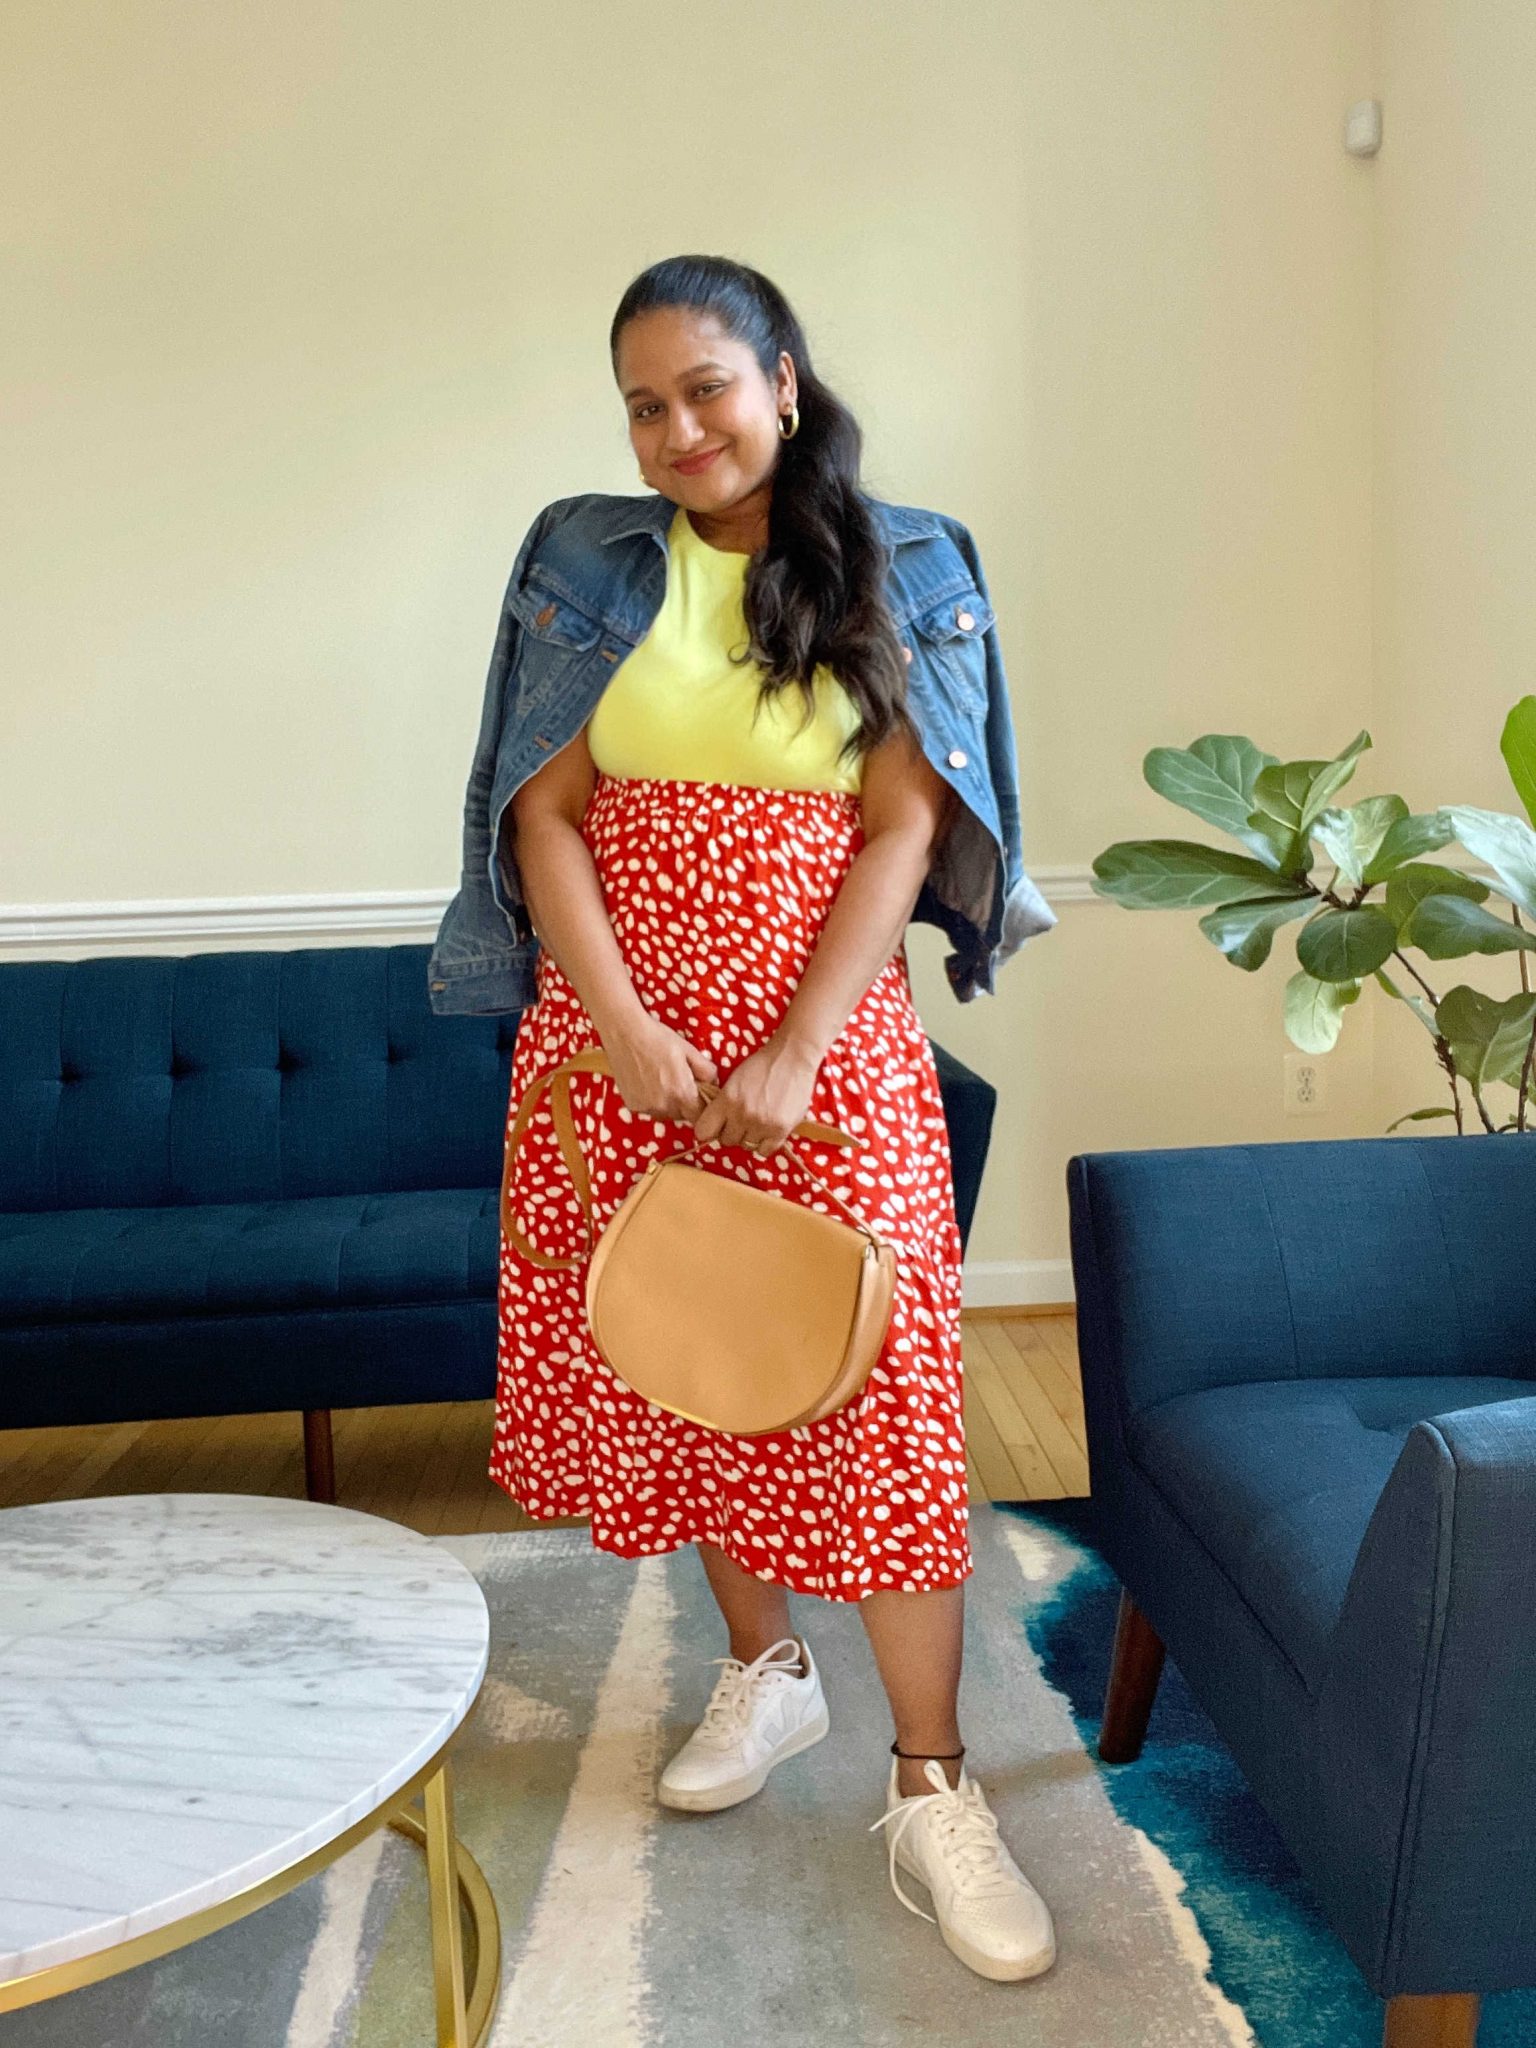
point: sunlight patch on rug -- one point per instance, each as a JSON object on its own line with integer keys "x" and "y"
{"x": 569, "y": 1987}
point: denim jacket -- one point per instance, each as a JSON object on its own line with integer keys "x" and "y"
{"x": 589, "y": 578}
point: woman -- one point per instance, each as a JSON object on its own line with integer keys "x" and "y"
{"x": 721, "y": 890}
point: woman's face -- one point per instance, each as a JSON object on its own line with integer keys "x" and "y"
{"x": 689, "y": 388}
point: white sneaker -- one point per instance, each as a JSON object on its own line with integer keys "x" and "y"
{"x": 989, "y": 1913}
{"x": 759, "y": 1714}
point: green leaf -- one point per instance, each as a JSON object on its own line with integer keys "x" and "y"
{"x": 1214, "y": 777}
{"x": 1507, "y": 844}
{"x": 1518, "y": 747}
{"x": 1417, "y": 1004}
{"x": 1314, "y": 1011}
{"x": 1449, "y": 927}
{"x": 1177, "y": 874}
{"x": 1424, "y": 832}
{"x": 1296, "y": 855}
{"x": 1418, "y": 1116}
{"x": 1407, "y": 889}
{"x": 1487, "y": 1038}
{"x": 1246, "y": 931}
{"x": 1293, "y": 794}
{"x": 1341, "y": 945}
{"x": 1352, "y": 838}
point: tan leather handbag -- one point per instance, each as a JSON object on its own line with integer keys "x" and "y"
{"x": 726, "y": 1304}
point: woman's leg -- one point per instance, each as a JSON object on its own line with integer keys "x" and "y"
{"x": 917, "y": 1639}
{"x": 756, "y": 1611}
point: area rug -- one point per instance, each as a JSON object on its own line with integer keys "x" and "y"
{"x": 1181, "y": 1922}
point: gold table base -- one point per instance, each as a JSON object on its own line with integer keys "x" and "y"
{"x": 464, "y": 2012}
{"x": 463, "y": 2019}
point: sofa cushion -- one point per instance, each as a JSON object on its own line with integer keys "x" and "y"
{"x": 217, "y": 1258}
{"x": 1278, "y": 1479}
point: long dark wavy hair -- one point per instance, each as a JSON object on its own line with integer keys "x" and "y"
{"x": 816, "y": 593}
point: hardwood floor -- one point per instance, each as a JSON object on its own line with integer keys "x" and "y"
{"x": 425, "y": 1466}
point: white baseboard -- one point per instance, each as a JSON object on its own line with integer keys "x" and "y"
{"x": 193, "y": 923}
{"x": 1016, "y": 1283}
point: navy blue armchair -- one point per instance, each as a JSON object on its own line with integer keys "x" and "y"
{"x": 1308, "y": 1373}
{"x": 248, "y": 1181}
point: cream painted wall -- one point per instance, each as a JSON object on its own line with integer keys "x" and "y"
{"x": 1455, "y": 437}
{"x": 308, "y": 311}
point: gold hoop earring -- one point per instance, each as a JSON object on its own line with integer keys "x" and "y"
{"x": 793, "y": 416}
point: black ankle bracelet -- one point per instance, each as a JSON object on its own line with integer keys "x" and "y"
{"x": 918, "y": 1755}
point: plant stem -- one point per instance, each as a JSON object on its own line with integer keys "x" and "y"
{"x": 1482, "y": 1107}
{"x": 1443, "y": 1055}
{"x": 1525, "y": 1079}
{"x": 1399, "y": 954}
{"x": 1525, "y": 964}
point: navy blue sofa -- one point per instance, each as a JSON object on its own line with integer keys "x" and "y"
{"x": 1310, "y": 1380}
{"x": 246, "y": 1181}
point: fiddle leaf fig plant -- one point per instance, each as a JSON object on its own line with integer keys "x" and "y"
{"x": 1356, "y": 880}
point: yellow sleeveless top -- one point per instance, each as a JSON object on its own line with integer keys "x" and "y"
{"x": 677, "y": 709}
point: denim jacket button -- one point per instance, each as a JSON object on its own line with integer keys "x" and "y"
{"x": 957, "y": 757}
{"x": 906, "y": 652}
{"x": 965, "y": 621}
{"x": 546, "y": 615}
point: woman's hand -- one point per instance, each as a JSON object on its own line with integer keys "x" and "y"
{"x": 763, "y": 1098}
{"x": 658, "y": 1071}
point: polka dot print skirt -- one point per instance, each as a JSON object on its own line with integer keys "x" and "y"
{"x": 717, "y": 893}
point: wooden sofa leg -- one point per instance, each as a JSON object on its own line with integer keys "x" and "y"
{"x": 1444, "y": 2020}
{"x": 1133, "y": 1676}
{"x": 319, "y": 1456}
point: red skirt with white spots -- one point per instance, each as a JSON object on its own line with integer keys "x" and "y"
{"x": 717, "y": 893}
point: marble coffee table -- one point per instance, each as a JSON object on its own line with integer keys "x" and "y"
{"x": 204, "y": 1699}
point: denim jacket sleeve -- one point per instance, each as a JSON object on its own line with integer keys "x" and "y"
{"x": 467, "y": 971}
{"x": 1019, "y": 910}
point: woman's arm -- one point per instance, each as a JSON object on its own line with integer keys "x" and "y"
{"x": 906, "y": 810}
{"x": 541, "y": 830}
{"x": 907, "y": 807}
{"x": 654, "y": 1067}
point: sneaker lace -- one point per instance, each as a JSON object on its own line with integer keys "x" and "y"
{"x": 966, "y": 1831}
{"x": 730, "y": 1704}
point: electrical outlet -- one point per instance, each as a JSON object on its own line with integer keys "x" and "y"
{"x": 1306, "y": 1090}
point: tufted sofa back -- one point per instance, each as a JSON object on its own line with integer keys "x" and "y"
{"x": 1216, "y": 1265}
{"x": 240, "y": 1077}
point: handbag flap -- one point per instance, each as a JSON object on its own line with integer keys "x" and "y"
{"x": 724, "y": 1301}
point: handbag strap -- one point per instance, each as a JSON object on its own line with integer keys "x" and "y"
{"x": 594, "y": 1059}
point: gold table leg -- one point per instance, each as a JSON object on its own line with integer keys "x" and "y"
{"x": 463, "y": 2017}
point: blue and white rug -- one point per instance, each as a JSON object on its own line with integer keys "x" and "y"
{"x": 1181, "y": 1922}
